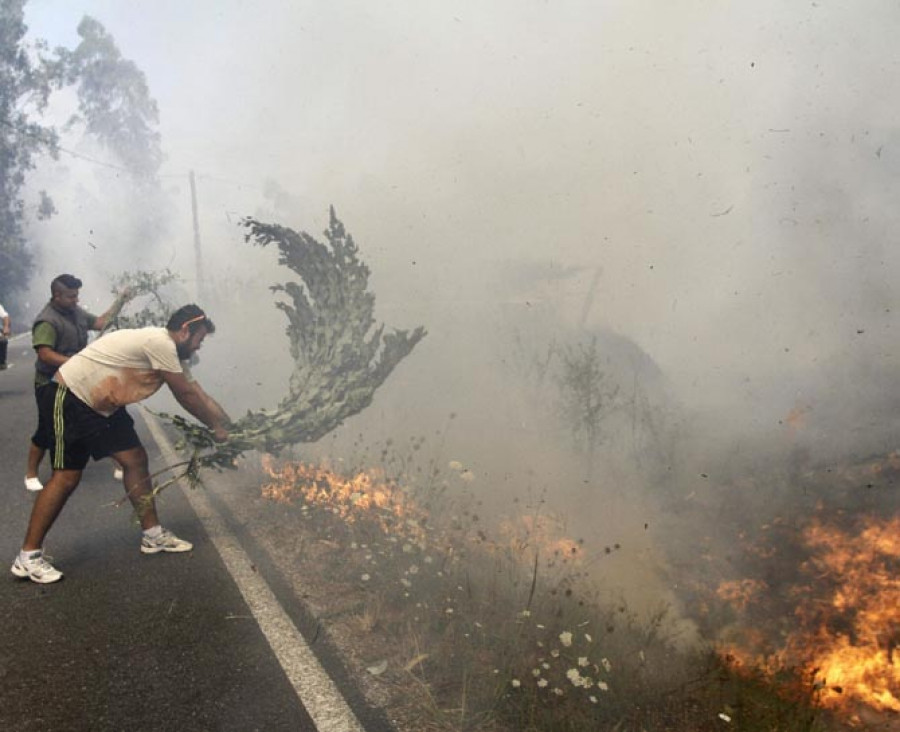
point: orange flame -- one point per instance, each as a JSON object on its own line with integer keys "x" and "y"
{"x": 367, "y": 494}
{"x": 865, "y": 600}
{"x": 848, "y": 616}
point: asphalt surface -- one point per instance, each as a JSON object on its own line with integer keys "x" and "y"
{"x": 125, "y": 642}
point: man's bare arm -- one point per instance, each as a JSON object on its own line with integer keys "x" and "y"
{"x": 213, "y": 405}
{"x": 103, "y": 320}
{"x": 50, "y": 357}
{"x": 191, "y": 396}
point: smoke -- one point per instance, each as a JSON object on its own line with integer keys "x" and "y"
{"x": 707, "y": 191}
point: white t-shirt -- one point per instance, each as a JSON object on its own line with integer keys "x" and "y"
{"x": 3, "y": 313}
{"x": 122, "y": 367}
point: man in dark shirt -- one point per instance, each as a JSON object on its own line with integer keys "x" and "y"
{"x": 59, "y": 331}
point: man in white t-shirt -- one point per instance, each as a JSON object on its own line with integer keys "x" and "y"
{"x": 86, "y": 402}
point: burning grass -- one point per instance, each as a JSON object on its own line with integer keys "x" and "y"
{"x": 832, "y": 620}
{"x": 499, "y": 626}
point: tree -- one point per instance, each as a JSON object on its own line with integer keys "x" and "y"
{"x": 26, "y": 80}
{"x": 587, "y": 396}
{"x": 114, "y": 102}
{"x": 114, "y": 108}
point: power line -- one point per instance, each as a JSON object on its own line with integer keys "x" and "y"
{"x": 114, "y": 166}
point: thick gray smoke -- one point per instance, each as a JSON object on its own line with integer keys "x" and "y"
{"x": 704, "y": 193}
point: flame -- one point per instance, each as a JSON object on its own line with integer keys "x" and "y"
{"x": 796, "y": 418}
{"x": 740, "y": 593}
{"x": 541, "y": 531}
{"x": 847, "y": 613}
{"x": 367, "y": 494}
{"x": 866, "y": 601}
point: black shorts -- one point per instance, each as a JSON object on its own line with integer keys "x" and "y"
{"x": 78, "y": 432}
{"x": 43, "y": 435}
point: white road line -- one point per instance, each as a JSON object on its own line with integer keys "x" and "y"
{"x": 314, "y": 687}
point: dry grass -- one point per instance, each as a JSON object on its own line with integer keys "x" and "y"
{"x": 455, "y": 626}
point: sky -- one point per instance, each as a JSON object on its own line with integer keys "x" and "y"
{"x": 711, "y": 182}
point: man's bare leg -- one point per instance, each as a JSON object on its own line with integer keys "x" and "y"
{"x": 35, "y": 455}
{"x": 138, "y": 488}
{"x": 48, "y": 504}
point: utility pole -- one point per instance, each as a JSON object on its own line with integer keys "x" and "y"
{"x": 198, "y": 252}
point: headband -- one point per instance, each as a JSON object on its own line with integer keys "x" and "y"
{"x": 193, "y": 320}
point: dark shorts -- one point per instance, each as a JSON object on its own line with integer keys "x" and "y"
{"x": 43, "y": 435}
{"x": 78, "y": 432}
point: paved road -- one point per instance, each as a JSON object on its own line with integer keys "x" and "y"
{"x": 128, "y": 642}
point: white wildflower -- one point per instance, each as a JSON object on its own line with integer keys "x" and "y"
{"x": 413, "y": 569}
{"x": 525, "y": 614}
{"x": 539, "y": 626}
{"x": 573, "y": 676}
{"x": 606, "y": 664}
{"x": 582, "y": 661}
{"x": 405, "y": 582}
{"x": 587, "y": 682}
{"x": 407, "y": 548}
{"x": 602, "y": 685}
{"x": 455, "y": 465}
{"x": 565, "y": 638}
{"x": 449, "y": 611}
{"x": 427, "y": 560}
{"x": 587, "y": 637}
{"x": 558, "y": 691}
{"x": 593, "y": 699}
{"x": 535, "y": 672}
{"x": 545, "y": 666}
{"x": 555, "y": 653}
{"x": 724, "y": 717}
{"x": 543, "y": 683}
{"x": 467, "y": 475}
{"x": 365, "y": 578}
{"x": 515, "y": 683}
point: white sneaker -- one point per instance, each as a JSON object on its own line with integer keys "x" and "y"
{"x": 165, "y": 542}
{"x": 33, "y": 484}
{"x": 37, "y": 569}
{"x": 118, "y": 474}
